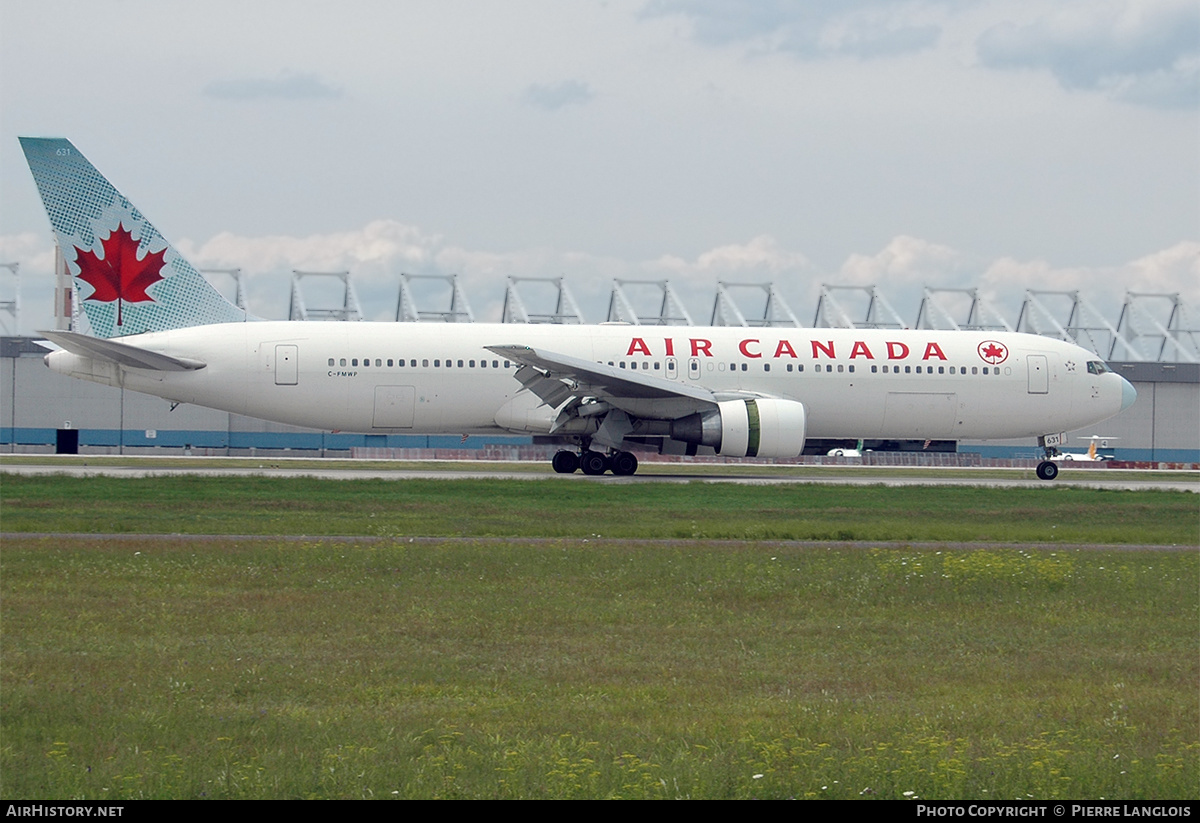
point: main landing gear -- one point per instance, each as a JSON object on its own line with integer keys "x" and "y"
{"x": 594, "y": 463}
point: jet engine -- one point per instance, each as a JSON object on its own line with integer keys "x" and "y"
{"x": 746, "y": 428}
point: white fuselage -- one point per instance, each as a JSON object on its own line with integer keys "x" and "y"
{"x": 429, "y": 379}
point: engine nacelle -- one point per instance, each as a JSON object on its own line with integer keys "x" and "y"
{"x": 746, "y": 428}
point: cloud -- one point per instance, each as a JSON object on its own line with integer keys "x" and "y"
{"x": 721, "y": 22}
{"x": 28, "y": 250}
{"x": 379, "y": 249}
{"x": 904, "y": 261}
{"x": 867, "y": 40}
{"x": 1174, "y": 270}
{"x": 287, "y": 86}
{"x": 863, "y": 29}
{"x": 553, "y": 98}
{"x": 1139, "y": 51}
{"x": 761, "y": 257}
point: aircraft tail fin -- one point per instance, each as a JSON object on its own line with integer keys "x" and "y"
{"x": 130, "y": 279}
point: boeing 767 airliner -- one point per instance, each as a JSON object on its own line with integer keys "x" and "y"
{"x": 158, "y": 327}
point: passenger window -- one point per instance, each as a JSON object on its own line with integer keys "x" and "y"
{"x": 342, "y": 361}
{"x": 354, "y": 362}
{"x": 331, "y": 361}
{"x": 379, "y": 362}
{"x": 766, "y": 366}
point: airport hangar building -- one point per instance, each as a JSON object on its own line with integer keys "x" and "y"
{"x": 44, "y": 412}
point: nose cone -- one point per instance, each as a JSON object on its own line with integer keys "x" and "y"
{"x": 1128, "y": 394}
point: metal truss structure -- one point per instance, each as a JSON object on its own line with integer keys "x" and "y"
{"x": 831, "y": 314}
{"x": 406, "y": 306}
{"x": 239, "y": 284}
{"x": 776, "y": 311}
{"x": 298, "y": 306}
{"x": 12, "y": 306}
{"x": 1152, "y": 327}
{"x": 1083, "y": 324}
{"x": 1176, "y": 340}
{"x": 671, "y": 311}
{"x": 934, "y": 313}
{"x": 566, "y": 310}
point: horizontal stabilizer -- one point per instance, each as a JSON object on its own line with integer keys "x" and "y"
{"x": 122, "y": 353}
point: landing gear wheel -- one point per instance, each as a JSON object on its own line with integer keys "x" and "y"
{"x": 624, "y": 464}
{"x": 565, "y": 462}
{"x": 593, "y": 463}
{"x": 1047, "y": 470}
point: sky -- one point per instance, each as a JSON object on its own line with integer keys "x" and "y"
{"x": 991, "y": 144}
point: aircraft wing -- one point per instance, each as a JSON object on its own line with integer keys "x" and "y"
{"x": 123, "y": 353}
{"x": 555, "y": 377}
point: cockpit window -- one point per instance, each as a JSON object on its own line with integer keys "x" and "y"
{"x": 1097, "y": 367}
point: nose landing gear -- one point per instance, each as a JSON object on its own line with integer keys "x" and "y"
{"x": 1047, "y": 469}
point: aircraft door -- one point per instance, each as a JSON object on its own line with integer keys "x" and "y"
{"x": 672, "y": 368}
{"x": 694, "y": 368}
{"x": 287, "y": 365}
{"x": 394, "y": 407}
{"x": 1039, "y": 374}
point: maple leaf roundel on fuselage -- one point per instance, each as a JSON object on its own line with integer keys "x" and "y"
{"x": 120, "y": 275}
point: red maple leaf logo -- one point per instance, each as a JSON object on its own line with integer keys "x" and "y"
{"x": 993, "y": 352}
{"x": 120, "y": 275}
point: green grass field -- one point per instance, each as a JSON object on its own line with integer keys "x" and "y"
{"x": 580, "y": 667}
{"x": 554, "y": 508}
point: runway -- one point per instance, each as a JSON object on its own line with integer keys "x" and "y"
{"x": 1108, "y": 479}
